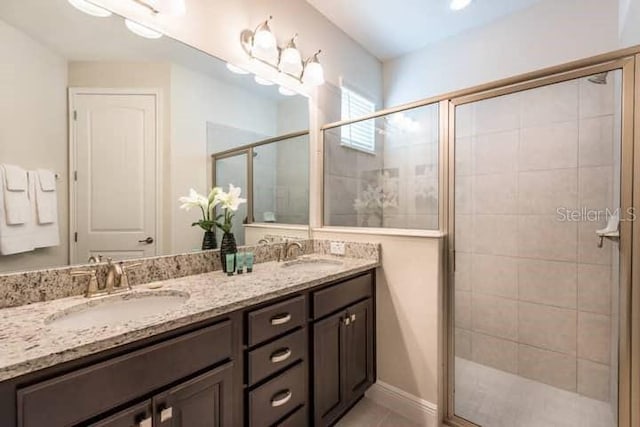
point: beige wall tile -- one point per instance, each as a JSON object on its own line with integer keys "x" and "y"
{"x": 464, "y": 233}
{"x": 545, "y": 237}
{"x": 550, "y": 104}
{"x": 495, "y": 316}
{"x": 594, "y": 288}
{"x": 543, "y": 192}
{"x": 556, "y": 369}
{"x": 594, "y": 380}
{"x": 596, "y": 187}
{"x": 463, "y": 271}
{"x": 463, "y": 309}
{"x": 463, "y": 156}
{"x": 496, "y": 153}
{"x": 547, "y": 282}
{"x": 497, "y": 114}
{"x": 596, "y": 141}
{"x": 464, "y": 194}
{"x": 463, "y": 343}
{"x": 596, "y": 100}
{"x": 594, "y": 337}
{"x": 550, "y": 146}
{"x": 465, "y": 115}
{"x": 495, "y": 234}
{"x": 547, "y": 327}
{"x": 495, "y": 352}
{"x": 495, "y": 275}
{"x": 495, "y": 194}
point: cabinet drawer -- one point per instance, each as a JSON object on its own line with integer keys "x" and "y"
{"x": 297, "y": 419}
{"x": 339, "y": 296}
{"x": 279, "y": 354}
{"x": 276, "y": 319}
{"x": 79, "y": 395}
{"x": 273, "y": 400}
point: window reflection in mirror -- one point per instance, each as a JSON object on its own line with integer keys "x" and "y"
{"x": 140, "y": 119}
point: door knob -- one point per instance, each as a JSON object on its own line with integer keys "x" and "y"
{"x": 148, "y": 240}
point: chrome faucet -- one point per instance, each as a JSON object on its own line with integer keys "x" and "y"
{"x": 286, "y": 247}
{"x": 114, "y": 276}
{"x": 93, "y": 259}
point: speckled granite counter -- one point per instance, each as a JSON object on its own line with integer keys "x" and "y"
{"x": 28, "y": 344}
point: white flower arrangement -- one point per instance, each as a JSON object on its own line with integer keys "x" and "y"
{"x": 229, "y": 201}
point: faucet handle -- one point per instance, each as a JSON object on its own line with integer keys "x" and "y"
{"x": 92, "y": 286}
{"x": 125, "y": 269}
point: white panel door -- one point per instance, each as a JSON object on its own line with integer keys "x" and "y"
{"x": 115, "y": 159}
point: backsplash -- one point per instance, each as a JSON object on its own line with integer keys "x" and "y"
{"x": 44, "y": 285}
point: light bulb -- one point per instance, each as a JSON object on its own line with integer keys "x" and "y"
{"x": 291, "y": 61}
{"x": 171, "y": 7}
{"x": 262, "y": 81}
{"x": 141, "y": 30}
{"x": 264, "y": 38}
{"x": 314, "y": 74}
{"x": 236, "y": 69}
{"x": 286, "y": 91}
{"x": 459, "y": 4}
{"x": 90, "y": 8}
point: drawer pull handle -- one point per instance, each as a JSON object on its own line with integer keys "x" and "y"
{"x": 280, "y": 319}
{"x": 147, "y": 422}
{"x": 166, "y": 414}
{"x": 281, "y": 398}
{"x": 281, "y": 355}
{"x": 353, "y": 318}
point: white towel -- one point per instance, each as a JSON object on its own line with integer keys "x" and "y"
{"x": 16, "y": 198}
{"x": 43, "y": 234}
{"x": 46, "y": 197}
{"x": 14, "y": 238}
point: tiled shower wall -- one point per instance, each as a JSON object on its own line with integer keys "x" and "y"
{"x": 534, "y": 295}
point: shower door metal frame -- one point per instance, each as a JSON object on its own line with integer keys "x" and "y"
{"x": 629, "y": 333}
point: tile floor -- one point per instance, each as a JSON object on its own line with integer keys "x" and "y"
{"x": 494, "y": 398}
{"x": 368, "y": 414}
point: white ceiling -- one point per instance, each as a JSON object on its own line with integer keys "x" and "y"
{"x": 390, "y": 28}
{"x": 80, "y": 37}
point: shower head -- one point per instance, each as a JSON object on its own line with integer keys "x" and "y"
{"x": 599, "y": 79}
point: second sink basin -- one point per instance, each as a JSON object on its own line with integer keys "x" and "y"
{"x": 313, "y": 265}
{"x": 116, "y": 309}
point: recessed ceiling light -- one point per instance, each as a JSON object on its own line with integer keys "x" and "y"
{"x": 141, "y": 30}
{"x": 263, "y": 81}
{"x": 236, "y": 69}
{"x": 286, "y": 91}
{"x": 459, "y": 4}
{"x": 90, "y": 8}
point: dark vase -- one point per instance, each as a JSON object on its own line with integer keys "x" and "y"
{"x": 209, "y": 241}
{"x": 227, "y": 246}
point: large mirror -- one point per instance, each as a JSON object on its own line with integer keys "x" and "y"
{"x": 113, "y": 128}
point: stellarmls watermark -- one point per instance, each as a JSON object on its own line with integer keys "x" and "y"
{"x": 586, "y": 214}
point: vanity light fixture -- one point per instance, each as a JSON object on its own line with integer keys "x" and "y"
{"x": 90, "y": 8}
{"x": 286, "y": 91}
{"x": 459, "y": 4}
{"x": 261, "y": 45}
{"x": 167, "y": 7}
{"x": 235, "y": 69}
{"x": 142, "y": 30}
{"x": 262, "y": 81}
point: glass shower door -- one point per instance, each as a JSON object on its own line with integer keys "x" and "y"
{"x": 536, "y": 301}
{"x": 233, "y": 170}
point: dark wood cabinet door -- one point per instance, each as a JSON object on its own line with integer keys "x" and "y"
{"x": 328, "y": 368}
{"x": 205, "y": 401}
{"x": 137, "y": 415}
{"x": 359, "y": 372}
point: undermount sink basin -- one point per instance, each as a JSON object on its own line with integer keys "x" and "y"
{"x": 117, "y": 309}
{"x": 313, "y": 265}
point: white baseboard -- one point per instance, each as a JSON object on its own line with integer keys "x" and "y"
{"x": 409, "y": 406}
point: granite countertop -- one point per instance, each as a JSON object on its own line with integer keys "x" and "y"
{"x": 28, "y": 343}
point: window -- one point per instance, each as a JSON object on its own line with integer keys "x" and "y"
{"x": 360, "y": 135}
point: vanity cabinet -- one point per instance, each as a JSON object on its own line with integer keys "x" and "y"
{"x": 343, "y": 348}
{"x": 294, "y": 361}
